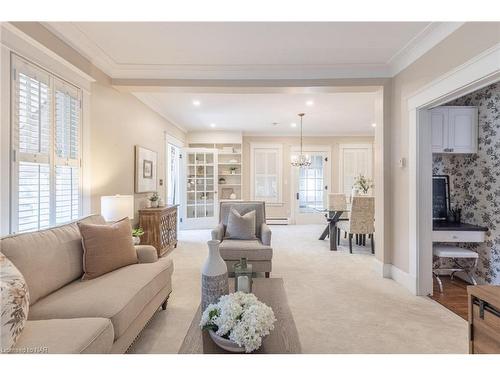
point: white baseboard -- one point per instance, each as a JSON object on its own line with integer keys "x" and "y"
{"x": 389, "y": 271}
{"x": 278, "y": 220}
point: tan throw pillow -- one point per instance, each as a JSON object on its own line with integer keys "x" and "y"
{"x": 241, "y": 227}
{"x": 106, "y": 247}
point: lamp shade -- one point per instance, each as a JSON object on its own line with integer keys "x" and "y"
{"x": 116, "y": 207}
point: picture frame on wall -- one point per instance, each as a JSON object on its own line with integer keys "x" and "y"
{"x": 146, "y": 162}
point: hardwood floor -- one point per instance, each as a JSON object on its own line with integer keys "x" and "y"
{"x": 454, "y": 296}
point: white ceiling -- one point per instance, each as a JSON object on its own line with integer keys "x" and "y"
{"x": 243, "y": 50}
{"x": 332, "y": 113}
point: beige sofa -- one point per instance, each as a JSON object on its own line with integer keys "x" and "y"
{"x": 68, "y": 315}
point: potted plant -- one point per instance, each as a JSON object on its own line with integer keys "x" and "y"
{"x": 137, "y": 233}
{"x": 232, "y": 170}
{"x": 154, "y": 199}
{"x": 363, "y": 184}
{"x": 238, "y": 322}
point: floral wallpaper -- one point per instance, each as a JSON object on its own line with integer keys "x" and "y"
{"x": 475, "y": 180}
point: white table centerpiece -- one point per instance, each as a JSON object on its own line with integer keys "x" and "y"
{"x": 238, "y": 322}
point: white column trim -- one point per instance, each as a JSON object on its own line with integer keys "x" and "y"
{"x": 476, "y": 73}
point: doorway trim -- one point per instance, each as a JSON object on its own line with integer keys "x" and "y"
{"x": 308, "y": 148}
{"x": 480, "y": 71}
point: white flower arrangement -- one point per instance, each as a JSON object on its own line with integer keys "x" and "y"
{"x": 241, "y": 318}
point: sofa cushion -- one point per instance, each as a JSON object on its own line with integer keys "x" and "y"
{"x": 241, "y": 227}
{"x": 48, "y": 259}
{"x": 14, "y": 303}
{"x": 119, "y": 295}
{"x": 66, "y": 336}
{"x": 250, "y": 249}
{"x": 106, "y": 247}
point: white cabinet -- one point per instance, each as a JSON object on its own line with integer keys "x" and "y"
{"x": 454, "y": 129}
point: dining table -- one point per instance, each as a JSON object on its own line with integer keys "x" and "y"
{"x": 332, "y": 217}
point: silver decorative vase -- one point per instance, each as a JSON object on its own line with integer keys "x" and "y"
{"x": 214, "y": 281}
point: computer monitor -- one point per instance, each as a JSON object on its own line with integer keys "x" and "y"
{"x": 440, "y": 197}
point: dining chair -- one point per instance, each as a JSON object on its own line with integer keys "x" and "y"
{"x": 361, "y": 221}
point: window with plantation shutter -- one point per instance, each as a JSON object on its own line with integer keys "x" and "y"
{"x": 46, "y": 119}
{"x": 265, "y": 174}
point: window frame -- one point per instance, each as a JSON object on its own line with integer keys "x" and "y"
{"x": 55, "y": 83}
{"x": 366, "y": 146}
{"x": 254, "y": 147}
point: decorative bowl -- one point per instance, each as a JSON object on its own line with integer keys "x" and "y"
{"x": 225, "y": 344}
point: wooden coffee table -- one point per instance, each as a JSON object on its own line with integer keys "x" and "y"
{"x": 284, "y": 339}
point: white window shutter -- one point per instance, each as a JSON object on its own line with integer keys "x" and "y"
{"x": 46, "y": 144}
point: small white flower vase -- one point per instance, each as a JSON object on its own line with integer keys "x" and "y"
{"x": 214, "y": 283}
{"x": 136, "y": 240}
{"x": 354, "y": 192}
{"x": 154, "y": 204}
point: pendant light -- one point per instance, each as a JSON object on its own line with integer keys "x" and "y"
{"x": 302, "y": 161}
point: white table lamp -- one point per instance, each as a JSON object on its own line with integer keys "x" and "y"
{"x": 116, "y": 207}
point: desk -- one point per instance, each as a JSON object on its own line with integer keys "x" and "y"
{"x": 443, "y": 231}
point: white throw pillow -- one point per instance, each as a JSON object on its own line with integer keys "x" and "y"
{"x": 14, "y": 300}
{"x": 241, "y": 227}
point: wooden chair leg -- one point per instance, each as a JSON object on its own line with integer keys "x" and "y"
{"x": 364, "y": 239}
{"x": 350, "y": 243}
{"x": 373, "y": 244}
{"x": 345, "y": 234}
{"x": 338, "y": 236}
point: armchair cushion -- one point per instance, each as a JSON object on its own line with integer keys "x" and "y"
{"x": 218, "y": 232}
{"x": 146, "y": 253}
{"x": 253, "y": 250}
{"x": 241, "y": 227}
{"x": 265, "y": 233}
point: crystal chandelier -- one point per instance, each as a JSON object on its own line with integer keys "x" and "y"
{"x": 302, "y": 161}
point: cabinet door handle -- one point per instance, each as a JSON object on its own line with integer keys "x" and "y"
{"x": 451, "y": 149}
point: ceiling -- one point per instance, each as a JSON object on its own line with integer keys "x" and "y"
{"x": 250, "y": 50}
{"x": 346, "y": 113}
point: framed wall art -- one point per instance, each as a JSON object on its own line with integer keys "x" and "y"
{"x": 145, "y": 170}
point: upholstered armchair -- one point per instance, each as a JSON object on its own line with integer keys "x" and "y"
{"x": 361, "y": 220}
{"x": 258, "y": 251}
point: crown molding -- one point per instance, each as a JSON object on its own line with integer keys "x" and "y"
{"x": 420, "y": 44}
{"x": 156, "y": 106}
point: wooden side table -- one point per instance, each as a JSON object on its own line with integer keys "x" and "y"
{"x": 484, "y": 319}
{"x": 160, "y": 227}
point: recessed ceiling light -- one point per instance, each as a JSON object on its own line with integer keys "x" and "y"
{"x": 309, "y": 103}
{"x": 275, "y": 123}
{"x": 374, "y": 125}
{"x": 212, "y": 125}
{"x": 293, "y": 125}
{"x": 196, "y": 103}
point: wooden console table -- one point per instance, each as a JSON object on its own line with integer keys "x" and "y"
{"x": 160, "y": 227}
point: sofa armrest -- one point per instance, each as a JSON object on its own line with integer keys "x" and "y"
{"x": 146, "y": 253}
{"x": 265, "y": 234}
{"x": 218, "y": 232}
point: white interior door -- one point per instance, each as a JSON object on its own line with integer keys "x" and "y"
{"x": 310, "y": 188}
{"x": 355, "y": 160}
{"x": 201, "y": 203}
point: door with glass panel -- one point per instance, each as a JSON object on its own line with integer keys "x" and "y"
{"x": 310, "y": 188}
{"x": 200, "y": 186}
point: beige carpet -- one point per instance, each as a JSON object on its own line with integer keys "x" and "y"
{"x": 340, "y": 304}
